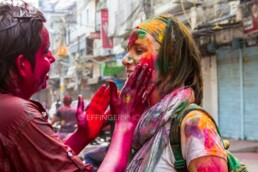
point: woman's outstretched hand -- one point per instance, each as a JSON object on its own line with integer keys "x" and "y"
{"x": 130, "y": 104}
{"x": 128, "y": 108}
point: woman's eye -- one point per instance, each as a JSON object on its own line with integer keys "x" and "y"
{"x": 139, "y": 51}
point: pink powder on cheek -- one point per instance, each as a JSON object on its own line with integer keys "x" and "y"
{"x": 151, "y": 53}
{"x": 149, "y": 58}
{"x": 149, "y": 61}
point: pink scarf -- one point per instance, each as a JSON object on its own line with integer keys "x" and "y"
{"x": 152, "y": 132}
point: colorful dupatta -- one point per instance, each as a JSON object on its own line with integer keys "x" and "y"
{"x": 152, "y": 132}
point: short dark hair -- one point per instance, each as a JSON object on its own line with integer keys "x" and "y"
{"x": 20, "y": 33}
{"x": 67, "y": 100}
{"x": 178, "y": 61}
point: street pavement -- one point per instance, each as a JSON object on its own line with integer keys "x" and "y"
{"x": 246, "y": 152}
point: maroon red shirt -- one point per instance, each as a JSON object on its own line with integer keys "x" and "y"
{"x": 28, "y": 142}
{"x": 66, "y": 114}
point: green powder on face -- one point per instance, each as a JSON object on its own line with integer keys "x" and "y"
{"x": 141, "y": 34}
{"x": 130, "y": 59}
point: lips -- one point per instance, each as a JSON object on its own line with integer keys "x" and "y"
{"x": 129, "y": 72}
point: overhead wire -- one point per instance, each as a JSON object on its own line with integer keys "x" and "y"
{"x": 186, "y": 16}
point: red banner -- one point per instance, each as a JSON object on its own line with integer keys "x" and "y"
{"x": 106, "y": 41}
{"x": 250, "y": 16}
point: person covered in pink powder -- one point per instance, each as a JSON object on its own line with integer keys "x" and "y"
{"x": 166, "y": 45}
{"x": 65, "y": 116}
{"x": 27, "y": 141}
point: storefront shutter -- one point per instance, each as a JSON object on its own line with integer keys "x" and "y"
{"x": 250, "y": 82}
{"x": 229, "y": 109}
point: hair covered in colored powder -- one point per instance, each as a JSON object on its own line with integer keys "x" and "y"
{"x": 155, "y": 27}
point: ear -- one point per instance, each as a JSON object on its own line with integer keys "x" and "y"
{"x": 23, "y": 65}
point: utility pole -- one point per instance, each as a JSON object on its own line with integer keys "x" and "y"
{"x": 62, "y": 52}
{"x": 78, "y": 72}
{"x": 147, "y": 6}
{"x": 62, "y": 88}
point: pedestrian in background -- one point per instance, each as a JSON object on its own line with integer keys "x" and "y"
{"x": 65, "y": 117}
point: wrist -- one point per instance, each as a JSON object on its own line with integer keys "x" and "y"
{"x": 125, "y": 127}
{"x": 80, "y": 131}
{"x": 77, "y": 141}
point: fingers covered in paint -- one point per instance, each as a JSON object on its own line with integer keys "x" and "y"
{"x": 91, "y": 121}
{"x": 98, "y": 95}
{"x": 100, "y": 101}
{"x": 94, "y": 117}
{"x": 141, "y": 77}
{"x": 113, "y": 97}
{"x": 129, "y": 105}
{"x": 144, "y": 84}
{"x": 133, "y": 77}
{"x": 80, "y": 109}
{"x": 113, "y": 91}
{"x": 148, "y": 93}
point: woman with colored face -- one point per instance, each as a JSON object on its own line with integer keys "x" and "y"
{"x": 166, "y": 45}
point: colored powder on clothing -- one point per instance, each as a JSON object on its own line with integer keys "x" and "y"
{"x": 209, "y": 142}
{"x": 192, "y": 129}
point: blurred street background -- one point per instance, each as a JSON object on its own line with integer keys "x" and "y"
{"x": 246, "y": 152}
{"x": 89, "y": 39}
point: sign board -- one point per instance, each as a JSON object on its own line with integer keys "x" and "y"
{"x": 94, "y": 35}
{"x": 106, "y": 41}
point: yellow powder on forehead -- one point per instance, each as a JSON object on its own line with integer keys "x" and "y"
{"x": 155, "y": 27}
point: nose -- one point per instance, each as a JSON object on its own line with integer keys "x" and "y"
{"x": 51, "y": 57}
{"x": 127, "y": 60}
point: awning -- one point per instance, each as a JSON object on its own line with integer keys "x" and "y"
{"x": 110, "y": 68}
{"x": 114, "y": 65}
